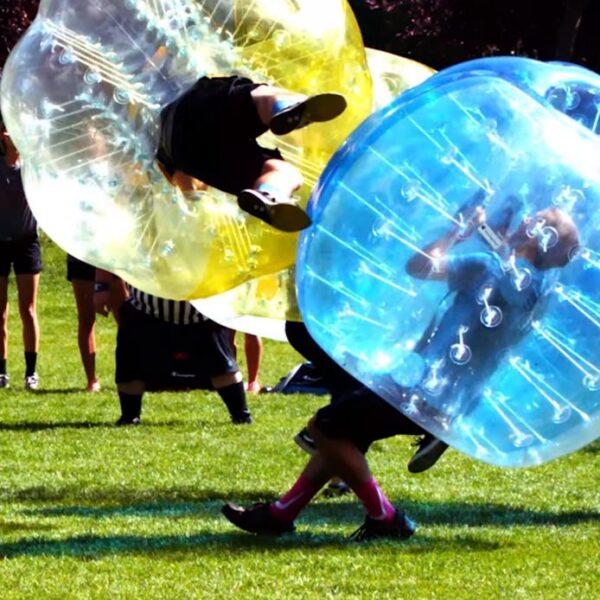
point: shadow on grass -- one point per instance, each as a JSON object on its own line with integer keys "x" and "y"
{"x": 34, "y": 426}
{"x": 56, "y": 391}
{"x": 183, "y": 502}
{"x": 205, "y": 505}
{"x": 92, "y": 547}
{"x": 593, "y": 448}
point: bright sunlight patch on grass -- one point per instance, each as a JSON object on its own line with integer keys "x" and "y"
{"x": 92, "y": 511}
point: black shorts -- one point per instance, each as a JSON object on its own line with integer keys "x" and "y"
{"x": 337, "y": 380}
{"x": 77, "y": 269}
{"x": 213, "y": 130}
{"x": 25, "y": 256}
{"x": 362, "y": 417}
{"x": 171, "y": 357}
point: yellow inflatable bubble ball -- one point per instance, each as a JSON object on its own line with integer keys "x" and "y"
{"x": 81, "y": 96}
{"x": 263, "y": 305}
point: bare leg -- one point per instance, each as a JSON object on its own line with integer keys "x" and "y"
{"x": 342, "y": 458}
{"x": 83, "y": 291}
{"x": 265, "y": 96}
{"x": 317, "y": 470}
{"x": 283, "y": 111}
{"x": 280, "y": 175}
{"x": 270, "y": 197}
{"x": 254, "y": 349}
{"x": 347, "y": 461}
{"x": 27, "y": 286}
{"x": 232, "y": 333}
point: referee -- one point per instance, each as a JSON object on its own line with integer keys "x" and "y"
{"x": 168, "y": 345}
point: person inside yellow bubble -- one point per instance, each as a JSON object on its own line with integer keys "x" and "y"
{"x": 209, "y": 133}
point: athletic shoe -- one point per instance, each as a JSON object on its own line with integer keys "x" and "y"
{"x": 128, "y": 421}
{"x": 314, "y": 109}
{"x": 305, "y": 442}
{"x": 243, "y": 418}
{"x": 4, "y": 381}
{"x": 32, "y": 382}
{"x": 285, "y": 216}
{"x": 256, "y": 519}
{"x": 335, "y": 489}
{"x": 93, "y": 386}
{"x": 401, "y": 527}
{"x": 429, "y": 452}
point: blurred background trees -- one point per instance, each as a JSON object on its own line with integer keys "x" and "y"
{"x": 439, "y": 32}
{"x": 15, "y": 16}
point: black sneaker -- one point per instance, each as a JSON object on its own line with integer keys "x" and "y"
{"x": 285, "y": 216}
{"x": 128, "y": 421}
{"x": 243, "y": 418}
{"x": 429, "y": 452}
{"x": 400, "y": 528}
{"x": 314, "y": 109}
{"x": 305, "y": 442}
{"x": 256, "y": 519}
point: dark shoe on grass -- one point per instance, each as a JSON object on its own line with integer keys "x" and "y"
{"x": 285, "y": 216}
{"x": 305, "y": 442}
{"x": 401, "y": 527}
{"x": 314, "y": 109}
{"x": 256, "y": 519}
{"x": 123, "y": 421}
{"x": 430, "y": 449}
{"x": 335, "y": 489}
{"x": 242, "y": 418}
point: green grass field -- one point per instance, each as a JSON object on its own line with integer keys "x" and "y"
{"x": 92, "y": 511}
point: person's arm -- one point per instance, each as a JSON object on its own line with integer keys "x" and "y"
{"x": 431, "y": 261}
{"x": 102, "y": 304}
{"x": 110, "y": 292}
{"x": 10, "y": 152}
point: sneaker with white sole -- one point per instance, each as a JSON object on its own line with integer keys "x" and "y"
{"x": 4, "y": 381}
{"x": 32, "y": 382}
{"x": 305, "y": 441}
{"x": 313, "y": 109}
{"x": 282, "y": 215}
{"x": 129, "y": 420}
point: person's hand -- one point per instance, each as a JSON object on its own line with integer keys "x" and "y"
{"x": 501, "y": 218}
{"x": 471, "y": 223}
{"x": 102, "y": 302}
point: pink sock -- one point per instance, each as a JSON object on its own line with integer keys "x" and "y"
{"x": 290, "y": 504}
{"x": 376, "y": 504}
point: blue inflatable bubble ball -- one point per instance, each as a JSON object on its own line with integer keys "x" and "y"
{"x": 453, "y": 265}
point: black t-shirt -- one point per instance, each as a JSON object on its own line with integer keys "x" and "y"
{"x": 16, "y": 219}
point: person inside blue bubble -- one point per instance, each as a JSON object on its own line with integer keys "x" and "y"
{"x": 500, "y": 290}
{"x": 209, "y": 133}
{"x": 493, "y": 299}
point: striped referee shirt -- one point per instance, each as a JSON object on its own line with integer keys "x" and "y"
{"x": 177, "y": 312}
